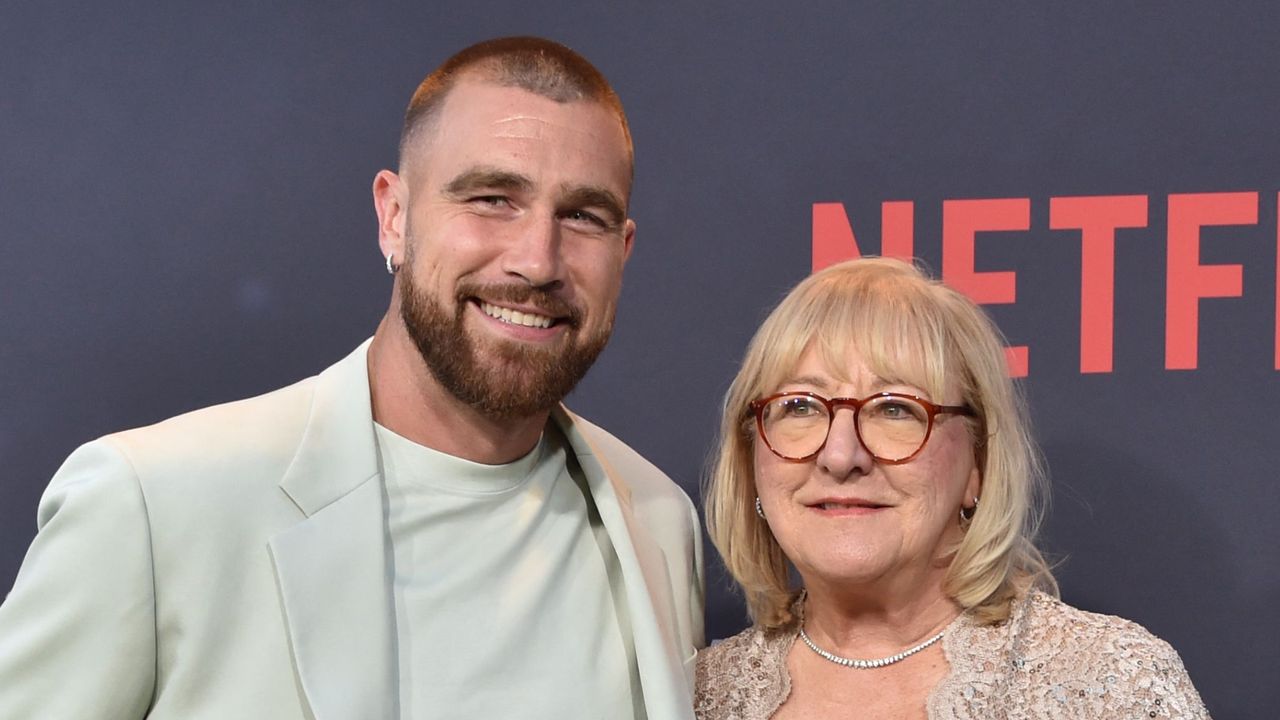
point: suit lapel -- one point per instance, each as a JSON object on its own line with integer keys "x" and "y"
{"x": 644, "y": 571}
{"x": 333, "y": 568}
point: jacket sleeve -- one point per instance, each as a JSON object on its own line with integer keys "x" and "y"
{"x": 77, "y": 632}
{"x": 697, "y": 585}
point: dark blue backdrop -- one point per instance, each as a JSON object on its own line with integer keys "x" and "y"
{"x": 186, "y": 220}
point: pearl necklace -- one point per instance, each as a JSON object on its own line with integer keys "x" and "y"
{"x": 869, "y": 664}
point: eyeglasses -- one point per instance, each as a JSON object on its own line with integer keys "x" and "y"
{"x": 892, "y": 427}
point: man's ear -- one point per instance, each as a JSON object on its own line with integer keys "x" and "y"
{"x": 628, "y": 238}
{"x": 390, "y": 201}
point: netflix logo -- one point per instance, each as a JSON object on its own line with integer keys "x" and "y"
{"x": 1097, "y": 218}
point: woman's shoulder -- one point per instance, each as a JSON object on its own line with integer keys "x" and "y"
{"x": 1050, "y": 628}
{"x": 1095, "y": 659}
{"x": 743, "y": 676}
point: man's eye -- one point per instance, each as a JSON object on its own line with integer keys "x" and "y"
{"x": 490, "y": 200}
{"x": 582, "y": 216}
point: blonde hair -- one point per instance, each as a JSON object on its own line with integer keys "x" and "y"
{"x": 909, "y": 329}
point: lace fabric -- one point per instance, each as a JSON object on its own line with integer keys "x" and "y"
{"x": 1048, "y": 660}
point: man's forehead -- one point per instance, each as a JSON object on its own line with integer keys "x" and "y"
{"x": 519, "y": 124}
{"x": 497, "y": 110}
{"x": 497, "y": 128}
{"x": 477, "y": 95}
{"x": 515, "y": 112}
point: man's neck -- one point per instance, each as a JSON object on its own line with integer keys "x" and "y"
{"x": 409, "y": 401}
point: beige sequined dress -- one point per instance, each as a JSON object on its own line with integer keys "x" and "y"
{"x": 1048, "y": 660}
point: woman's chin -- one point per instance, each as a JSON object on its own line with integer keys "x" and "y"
{"x": 848, "y": 571}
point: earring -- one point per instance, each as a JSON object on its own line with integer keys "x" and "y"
{"x": 966, "y": 514}
{"x": 391, "y": 269}
{"x": 760, "y": 509}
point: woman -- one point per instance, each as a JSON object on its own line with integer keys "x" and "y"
{"x": 873, "y": 444}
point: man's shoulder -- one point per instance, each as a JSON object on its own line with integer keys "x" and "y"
{"x": 219, "y": 459}
{"x": 611, "y": 446}
{"x": 250, "y": 436}
{"x": 640, "y": 475}
{"x": 252, "y": 427}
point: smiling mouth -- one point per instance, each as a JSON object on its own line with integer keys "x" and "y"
{"x": 515, "y": 317}
{"x": 848, "y": 506}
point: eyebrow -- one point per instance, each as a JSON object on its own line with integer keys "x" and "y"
{"x": 477, "y": 178}
{"x": 877, "y": 386}
{"x": 813, "y": 380}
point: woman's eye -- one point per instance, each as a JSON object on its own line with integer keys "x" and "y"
{"x": 898, "y": 410}
{"x": 799, "y": 407}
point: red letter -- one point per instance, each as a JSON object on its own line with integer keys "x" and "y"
{"x": 1097, "y": 218}
{"x": 833, "y": 238}
{"x": 897, "y": 229}
{"x": 960, "y": 220}
{"x": 1188, "y": 280}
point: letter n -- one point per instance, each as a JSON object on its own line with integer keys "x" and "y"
{"x": 833, "y": 239}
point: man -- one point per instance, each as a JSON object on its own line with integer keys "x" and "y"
{"x": 422, "y": 530}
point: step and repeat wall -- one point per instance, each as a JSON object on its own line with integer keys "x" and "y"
{"x": 186, "y": 220}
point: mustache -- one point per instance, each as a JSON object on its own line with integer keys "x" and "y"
{"x": 546, "y": 301}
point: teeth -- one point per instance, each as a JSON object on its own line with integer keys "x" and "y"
{"x": 515, "y": 317}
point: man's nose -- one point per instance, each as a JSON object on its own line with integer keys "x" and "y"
{"x": 844, "y": 456}
{"x": 534, "y": 252}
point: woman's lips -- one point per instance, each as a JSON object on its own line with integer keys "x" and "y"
{"x": 841, "y": 507}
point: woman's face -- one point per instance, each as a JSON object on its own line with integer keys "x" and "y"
{"x": 844, "y": 518}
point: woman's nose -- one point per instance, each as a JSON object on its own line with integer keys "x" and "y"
{"x": 844, "y": 455}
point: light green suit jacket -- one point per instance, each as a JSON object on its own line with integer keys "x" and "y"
{"x": 233, "y": 563}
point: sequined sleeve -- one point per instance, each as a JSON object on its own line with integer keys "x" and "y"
{"x": 744, "y": 677}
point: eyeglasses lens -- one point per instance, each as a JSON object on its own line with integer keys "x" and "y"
{"x": 892, "y": 428}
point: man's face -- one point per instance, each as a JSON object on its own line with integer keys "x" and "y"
{"x": 516, "y": 234}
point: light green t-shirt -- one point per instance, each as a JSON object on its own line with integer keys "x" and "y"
{"x": 508, "y": 599}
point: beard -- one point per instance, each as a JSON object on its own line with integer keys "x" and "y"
{"x": 500, "y": 379}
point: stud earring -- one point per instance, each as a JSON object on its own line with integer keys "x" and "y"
{"x": 760, "y": 509}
